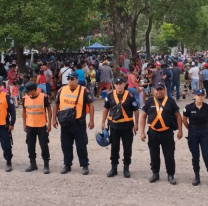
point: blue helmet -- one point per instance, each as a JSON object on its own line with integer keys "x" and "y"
{"x": 103, "y": 139}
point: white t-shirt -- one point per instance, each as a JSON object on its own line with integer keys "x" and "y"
{"x": 194, "y": 73}
{"x": 65, "y": 71}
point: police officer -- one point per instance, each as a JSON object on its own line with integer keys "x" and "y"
{"x": 7, "y": 110}
{"x": 160, "y": 111}
{"x": 78, "y": 97}
{"x": 197, "y": 114}
{"x": 121, "y": 105}
{"x": 34, "y": 124}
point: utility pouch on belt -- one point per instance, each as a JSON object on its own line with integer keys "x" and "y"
{"x": 68, "y": 116}
{"x": 116, "y": 112}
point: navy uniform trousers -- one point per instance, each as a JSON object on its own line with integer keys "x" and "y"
{"x": 6, "y": 142}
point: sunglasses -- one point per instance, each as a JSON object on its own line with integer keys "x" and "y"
{"x": 70, "y": 78}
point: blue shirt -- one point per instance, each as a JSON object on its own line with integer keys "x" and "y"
{"x": 205, "y": 73}
{"x": 81, "y": 74}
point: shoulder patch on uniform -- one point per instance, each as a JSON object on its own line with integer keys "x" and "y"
{"x": 11, "y": 101}
{"x": 106, "y": 99}
{"x": 184, "y": 109}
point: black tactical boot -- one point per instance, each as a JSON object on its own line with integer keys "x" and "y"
{"x": 66, "y": 169}
{"x": 113, "y": 171}
{"x": 32, "y": 167}
{"x": 126, "y": 171}
{"x": 8, "y": 166}
{"x": 46, "y": 169}
{"x": 196, "y": 181}
{"x": 155, "y": 177}
{"x": 85, "y": 170}
{"x": 171, "y": 179}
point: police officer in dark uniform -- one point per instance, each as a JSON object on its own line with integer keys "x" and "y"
{"x": 7, "y": 110}
{"x": 69, "y": 97}
{"x": 197, "y": 114}
{"x": 121, "y": 105}
{"x": 161, "y": 111}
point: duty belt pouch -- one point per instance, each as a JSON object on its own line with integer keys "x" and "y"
{"x": 68, "y": 116}
{"x": 116, "y": 112}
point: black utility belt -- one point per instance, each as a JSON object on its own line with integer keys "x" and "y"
{"x": 198, "y": 127}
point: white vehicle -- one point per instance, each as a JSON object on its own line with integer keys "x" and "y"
{"x": 33, "y": 51}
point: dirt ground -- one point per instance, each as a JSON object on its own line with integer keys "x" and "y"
{"x": 32, "y": 189}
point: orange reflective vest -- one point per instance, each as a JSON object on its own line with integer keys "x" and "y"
{"x": 159, "y": 116}
{"x": 68, "y": 99}
{"x": 35, "y": 111}
{"x": 3, "y": 108}
{"x": 125, "y": 116}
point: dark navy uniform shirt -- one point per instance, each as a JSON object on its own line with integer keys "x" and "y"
{"x": 169, "y": 110}
{"x": 129, "y": 106}
{"x": 11, "y": 112}
{"x": 197, "y": 117}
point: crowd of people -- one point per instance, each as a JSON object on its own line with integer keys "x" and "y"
{"x": 96, "y": 71}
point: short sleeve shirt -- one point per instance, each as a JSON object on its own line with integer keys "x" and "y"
{"x": 197, "y": 117}
{"x": 169, "y": 110}
{"x": 48, "y": 73}
{"x": 129, "y": 106}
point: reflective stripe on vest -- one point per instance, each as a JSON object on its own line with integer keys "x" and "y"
{"x": 3, "y": 108}
{"x": 35, "y": 111}
{"x": 159, "y": 116}
{"x": 68, "y": 99}
{"x": 126, "y": 118}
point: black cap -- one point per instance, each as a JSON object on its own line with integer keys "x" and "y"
{"x": 30, "y": 86}
{"x": 159, "y": 85}
{"x": 12, "y": 65}
{"x": 73, "y": 74}
{"x": 199, "y": 91}
{"x": 119, "y": 80}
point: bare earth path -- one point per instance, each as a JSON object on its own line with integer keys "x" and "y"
{"x": 22, "y": 189}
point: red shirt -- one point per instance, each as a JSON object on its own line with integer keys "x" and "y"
{"x": 12, "y": 76}
{"x": 121, "y": 59}
{"x": 180, "y": 65}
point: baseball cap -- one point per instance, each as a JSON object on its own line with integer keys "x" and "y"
{"x": 119, "y": 80}
{"x": 30, "y": 86}
{"x": 205, "y": 65}
{"x": 158, "y": 64}
{"x": 159, "y": 85}
{"x": 73, "y": 74}
{"x": 192, "y": 63}
{"x": 199, "y": 91}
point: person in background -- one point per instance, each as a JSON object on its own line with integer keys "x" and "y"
{"x": 3, "y": 72}
{"x": 133, "y": 86}
{"x": 81, "y": 75}
{"x": 180, "y": 64}
{"x": 147, "y": 82}
{"x": 194, "y": 75}
{"x": 106, "y": 75}
{"x": 204, "y": 74}
{"x": 3, "y": 87}
{"x": 15, "y": 93}
{"x": 12, "y": 76}
{"x": 92, "y": 83}
{"x": 41, "y": 81}
{"x": 64, "y": 72}
{"x": 176, "y": 79}
{"x": 49, "y": 75}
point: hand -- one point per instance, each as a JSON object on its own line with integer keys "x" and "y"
{"x": 164, "y": 77}
{"x": 48, "y": 128}
{"x": 136, "y": 128}
{"x": 143, "y": 137}
{"x": 102, "y": 126}
{"x": 24, "y": 128}
{"x": 91, "y": 125}
{"x": 10, "y": 128}
{"x": 55, "y": 123}
{"x": 179, "y": 135}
